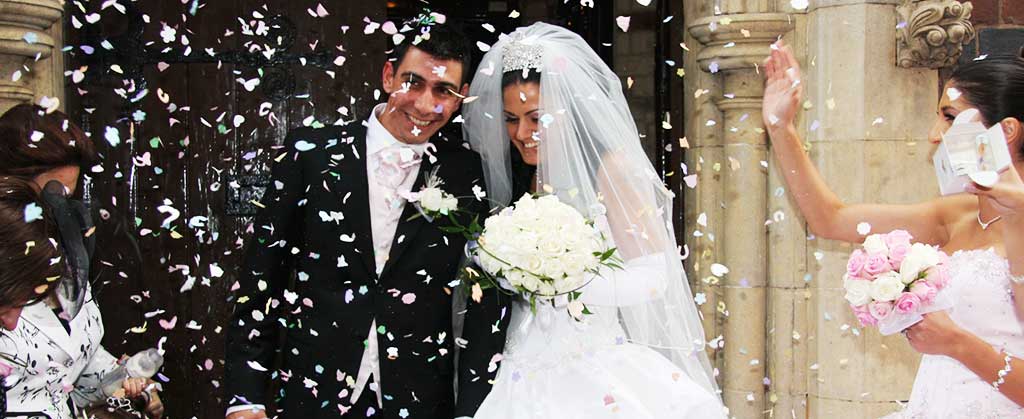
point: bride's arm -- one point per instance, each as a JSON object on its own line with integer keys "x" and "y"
{"x": 637, "y": 227}
{"x": 641, "y": 279}
{"x": 937, "y": 334}
{"x": 826, "y": 214}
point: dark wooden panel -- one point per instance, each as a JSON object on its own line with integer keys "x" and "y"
{"x": 195, "y": 153}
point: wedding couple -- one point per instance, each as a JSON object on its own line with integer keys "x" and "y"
{"x": 364, "y": 288}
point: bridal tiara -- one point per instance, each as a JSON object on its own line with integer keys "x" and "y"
{"x": 518, "y": 55}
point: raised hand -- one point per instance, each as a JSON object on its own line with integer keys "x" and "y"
{"x": 782, "y": 88}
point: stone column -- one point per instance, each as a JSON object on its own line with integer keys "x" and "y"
{"x": 30, "y": 43}
{"x": 732, "y": 47}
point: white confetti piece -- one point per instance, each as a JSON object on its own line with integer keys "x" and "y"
{"x": 719, "y": 270}
{"x": 863, "y": 228}
{"x": 623, "y": 23}
{"x": 33, "y": 212}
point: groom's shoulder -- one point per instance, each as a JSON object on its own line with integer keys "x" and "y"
{"x": 455, "y": 149}
{"x": 323, "y": 135}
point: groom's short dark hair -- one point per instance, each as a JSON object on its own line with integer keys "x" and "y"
{"x": 446, "y": 42}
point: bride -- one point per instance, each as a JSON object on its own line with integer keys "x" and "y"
{"x": 971, "y": 366}
{"x": 640, "y": 354}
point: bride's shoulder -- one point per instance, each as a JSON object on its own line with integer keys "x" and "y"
{"x": 955, "y": 208}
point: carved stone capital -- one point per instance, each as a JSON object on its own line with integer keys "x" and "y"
{"x": 740, "y": 41}
{"x": 932, "y": 33}
{"x": 24, "y": 40}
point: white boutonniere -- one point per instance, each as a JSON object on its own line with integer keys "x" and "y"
{"x": 431, "y": 201}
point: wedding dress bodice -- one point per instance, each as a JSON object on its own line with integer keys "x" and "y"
{"x": 547, "y": 337}
{"x": 944, "y": 388}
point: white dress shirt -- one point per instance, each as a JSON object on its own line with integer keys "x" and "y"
{"x": 386, "y": 207}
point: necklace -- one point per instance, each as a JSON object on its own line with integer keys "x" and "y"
{"x": 984, "y": 225}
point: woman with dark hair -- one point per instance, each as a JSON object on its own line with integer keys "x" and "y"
{"x": 60, "y": 365}
{"x": 30, "y": 261}
{"x": 970, "y": 367}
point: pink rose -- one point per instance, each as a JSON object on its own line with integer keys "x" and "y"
{"x": 924, "y": 291}
{"x": 897, "y": 237}
{"x": 908, "y": 303}
{"x": 877, "y": 263}
{"x": 855, "y": 266}
{"x": 880, "y": 309}
{"x": 5, "y": 369}
{"x": 898, "y": 252}
{"x": 864, "y": 315}
{"x": 938, "y": 277}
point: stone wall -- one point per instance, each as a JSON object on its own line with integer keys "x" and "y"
{"x": 790, "y": 346}
{"x": 31, "y": 64}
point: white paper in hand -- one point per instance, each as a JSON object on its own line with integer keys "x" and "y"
{"x": 970, "y": 152}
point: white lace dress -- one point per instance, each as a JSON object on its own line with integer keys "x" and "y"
{"x": 556, "y": 367}
{"x": 944, "y": 388}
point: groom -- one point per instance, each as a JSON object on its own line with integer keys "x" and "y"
{"x": 362, "y": 286}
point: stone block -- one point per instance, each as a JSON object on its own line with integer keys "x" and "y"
{"x": 857, "y": 91}
{"x": 821, "y": 407}
{"x": 855, "y": 363}
{"x": 789, "y": 339}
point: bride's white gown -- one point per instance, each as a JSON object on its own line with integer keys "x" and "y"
{"x": 557, "y": 367}
{"x": 944, "y": 388}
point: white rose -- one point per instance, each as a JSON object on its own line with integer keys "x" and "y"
{"x": 875, "y": 243}
{"x": 545, "y": 288}
{"x": 431, "y": 199}
{"x": 449, "y": 204}
{"x": 887, "y": 287}
{"x": 574, "y": 264}
{"x": 551, "y": 245}
{"x": 858, "y": 291}
{"x": 529, "y": 262}
{"x": 553, "y": 269}
{"x": 919, "y": 258}
{"x": 515, "y": 277}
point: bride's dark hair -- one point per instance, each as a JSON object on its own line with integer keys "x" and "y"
{"x": 995, "y": 86}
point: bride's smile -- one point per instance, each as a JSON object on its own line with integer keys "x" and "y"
{"x": 522, "y": 118}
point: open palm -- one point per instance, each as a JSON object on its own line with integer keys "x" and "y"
{"x": 782, "y": 88}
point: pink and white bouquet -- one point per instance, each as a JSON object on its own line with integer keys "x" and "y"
{"x": 891, "y": 282}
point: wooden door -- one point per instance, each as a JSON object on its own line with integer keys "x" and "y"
{"x": 187, "y": 102}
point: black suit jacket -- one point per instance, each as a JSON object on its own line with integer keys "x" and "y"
{"x": 309, "y": 272}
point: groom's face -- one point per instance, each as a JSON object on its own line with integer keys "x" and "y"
{"x": 423, "y": 93}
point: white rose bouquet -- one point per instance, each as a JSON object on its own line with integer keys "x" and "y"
{"x": 541, "y": 249}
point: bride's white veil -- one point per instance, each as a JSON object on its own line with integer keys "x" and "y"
{"x": 590, "y": 156}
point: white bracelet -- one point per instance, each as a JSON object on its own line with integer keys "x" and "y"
{"x": 1017, "y": 279}
{"x": 1007, "y": 367}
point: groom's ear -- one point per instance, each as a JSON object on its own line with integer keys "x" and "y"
{"x": 387, "y": 76}
{"x": 464, "y": 91}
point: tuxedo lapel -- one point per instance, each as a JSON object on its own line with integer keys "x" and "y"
{"x": 407, "y": 228}
{"x": 353, "y": 191}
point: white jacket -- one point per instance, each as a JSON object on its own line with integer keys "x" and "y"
{"x": 56, "y": 365}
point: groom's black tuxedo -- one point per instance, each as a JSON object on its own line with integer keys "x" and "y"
{"x": 310, "y": 268}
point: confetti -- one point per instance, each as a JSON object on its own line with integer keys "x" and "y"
{"x": 863, "y": 228}
{"x": 623, "y": 23}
